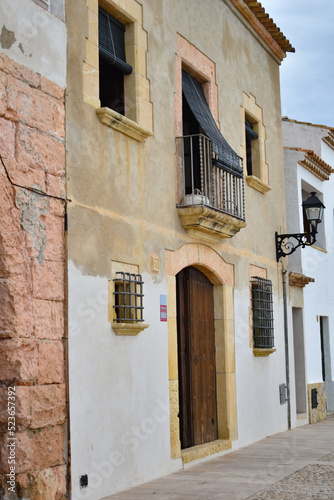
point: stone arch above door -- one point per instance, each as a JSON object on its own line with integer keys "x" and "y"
{"x": 221, "y": 275}
{"x": 203, "y": 257}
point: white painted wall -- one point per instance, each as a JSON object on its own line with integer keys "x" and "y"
{"x": 119, "y": 393}
{"x": 318, "y": 296}
{"x": 38, "y": 38}
{"x": 320, "y": 266}
{"x": 119, "y": 406}
{"x": 302, "y": 135}
{"x": 259, "y": 411}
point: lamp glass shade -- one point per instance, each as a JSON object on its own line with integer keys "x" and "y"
{"x": 314, "y": 209}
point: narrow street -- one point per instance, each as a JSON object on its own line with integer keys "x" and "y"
{"x": 297, "y": 464}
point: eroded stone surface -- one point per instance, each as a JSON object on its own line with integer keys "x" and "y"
{"x": 32, "y": 281}
{"x": 32, "y": 206}
{"x": 35, "y": 450}
{"x": 47, "y": 484}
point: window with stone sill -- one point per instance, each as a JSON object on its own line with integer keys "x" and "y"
{"x": 251, "y": 146}
{"x": 128, "y": 306}
{"x": 118, "y": 60}
{"x": 112, "y": 62}
{"x": 126, "y": 297}
{"x": 257, "y": 176}
{"x": 262, "y": 316}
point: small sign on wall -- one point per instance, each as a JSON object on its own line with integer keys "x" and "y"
{"x": 163, "y": 307}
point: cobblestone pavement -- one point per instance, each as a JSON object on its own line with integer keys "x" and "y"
{"x": 293, "y": 465}
{"x": 313, "y": 482}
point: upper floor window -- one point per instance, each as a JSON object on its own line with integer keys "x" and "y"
{"x": 213, "y": 173}
{"x": 209, "y": 173}
{"x": 112, "y": 62}
{"x": 254, "y": 145}
{"x": 251, "y": 137}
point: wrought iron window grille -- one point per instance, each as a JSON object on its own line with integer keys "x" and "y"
{"x": 128, "y": 298}
{"x": 207, "y": 181}
{"x": 262, "y": 308}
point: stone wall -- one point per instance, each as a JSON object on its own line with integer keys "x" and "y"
{"x": 32, "y": 264}
{"x": 318, "y": 413}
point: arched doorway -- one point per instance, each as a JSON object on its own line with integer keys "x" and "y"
{"x": 196, "y": 358}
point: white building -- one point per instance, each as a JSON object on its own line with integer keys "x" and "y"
{"x": 309, "y": 162}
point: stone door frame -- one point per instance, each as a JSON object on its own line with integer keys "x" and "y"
{"x": 221, "y": 275}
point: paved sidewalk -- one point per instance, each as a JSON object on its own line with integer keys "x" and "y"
{"x": 292, "y": 465}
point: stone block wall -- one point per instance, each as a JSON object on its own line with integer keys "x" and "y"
{"x": 318, "y": 413}
{"x": 32, "y": 284}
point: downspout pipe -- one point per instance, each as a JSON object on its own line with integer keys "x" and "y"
{"x": 286, "y": 339}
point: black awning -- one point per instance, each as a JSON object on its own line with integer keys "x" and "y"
{"x": 111, "y": 42}
{"x": 226, "y": 156}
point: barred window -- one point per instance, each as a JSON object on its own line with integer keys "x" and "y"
{"x": 262, "y": 307}
{"x": 128, "y": 295}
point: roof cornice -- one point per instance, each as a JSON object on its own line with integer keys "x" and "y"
{"x": 287, "y": 119}
{"x": 300, "y": 280}
{"x": 263, "y": 25}
{"x": 315, "y": 164}
{"x": 329, "y": 140}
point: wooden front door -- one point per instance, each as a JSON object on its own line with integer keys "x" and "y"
{"x": 196, "y": 358}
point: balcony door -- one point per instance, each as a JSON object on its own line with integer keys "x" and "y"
{"x": 191, "y": 129}
{"x": 196, "y": 358}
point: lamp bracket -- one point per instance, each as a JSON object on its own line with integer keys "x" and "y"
{"x": 286, "y": 244}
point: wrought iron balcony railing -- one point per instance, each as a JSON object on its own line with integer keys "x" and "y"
{"x": 206, "y": 183}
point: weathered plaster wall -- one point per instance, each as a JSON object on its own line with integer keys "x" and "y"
{"x": 123, "y": 209}
{"x": 32, "y": 36}
{"x": 121, "y": 385}
{"x": 32, "y": 255}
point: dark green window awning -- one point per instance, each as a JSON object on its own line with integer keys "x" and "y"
{"x": 111, "y": 41}
{"x": 226, "y": 157}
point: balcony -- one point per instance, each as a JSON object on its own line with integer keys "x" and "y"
{"x": 210, "y": 199}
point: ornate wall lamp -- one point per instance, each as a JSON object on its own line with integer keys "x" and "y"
{"x": 286, "y": 244}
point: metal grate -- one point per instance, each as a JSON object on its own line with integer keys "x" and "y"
{"x": 208, "y": 182}
{"x": 262, "y": 307}
{"x": 314, "y": 398}
{"x": 128, "y": 294}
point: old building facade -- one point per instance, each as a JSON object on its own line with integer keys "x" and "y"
{"x": 168, "y": 212}
{"x": 143, "y": 181}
